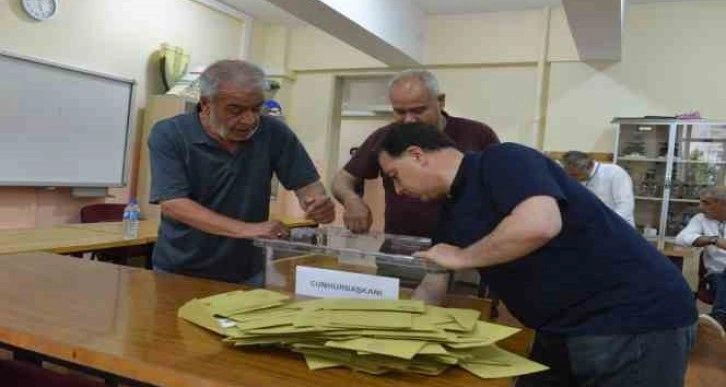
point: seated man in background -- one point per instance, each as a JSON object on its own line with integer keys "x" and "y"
{"x": 609, "y": 182}
{"x": 211, "y": 172}
{"x": 609, "y": 309}
{"x": 415, "y": 97}
{"x": 706, "y": 230}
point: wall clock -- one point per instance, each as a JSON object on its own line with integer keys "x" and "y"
{"x": 40, "y": 9}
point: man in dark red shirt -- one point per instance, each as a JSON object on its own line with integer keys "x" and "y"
{"x": 415, "y": 97}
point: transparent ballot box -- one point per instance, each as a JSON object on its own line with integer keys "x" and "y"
{"x": 336, "y": 248}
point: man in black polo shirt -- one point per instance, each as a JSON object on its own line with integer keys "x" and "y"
{"x": 608, "y": 308}
{"x": 211, "y": 173}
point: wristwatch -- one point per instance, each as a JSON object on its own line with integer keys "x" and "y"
{"x": 712, "y": 240}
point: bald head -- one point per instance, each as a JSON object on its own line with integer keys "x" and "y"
{"x": 715, "y": 192}
{"x": 236, "y": 75}
{"x": 415, "y": 98}
{"x": 577, "y": 164}
{"x": 420, "y": 78}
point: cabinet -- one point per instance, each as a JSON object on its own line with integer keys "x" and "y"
{"x": 158, "y": 107}
{"x": 670, "y": 162}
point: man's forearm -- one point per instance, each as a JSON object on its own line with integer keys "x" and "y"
{"x": 315, "y": 189}
{"x": 704, "y": 241}
{"x": 530, "y": 226}
{"x": 344, "y": 187}
{"x": 199, "y": 217}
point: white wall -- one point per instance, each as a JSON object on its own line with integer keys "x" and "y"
{"x": 673, "y": 61}
{"x": 502, "y": 97}
{"x": 313, "y": 49}
{"x": 471, "y": 73}
{"x": 399, "y": 22}
{"x": 483, "y": 38}
{"x": 487, "y": 66}
{"x": 119, "y": 36}
{"x": 116, "y": 37}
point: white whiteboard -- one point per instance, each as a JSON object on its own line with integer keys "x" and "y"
{"x": 62, "y": 126}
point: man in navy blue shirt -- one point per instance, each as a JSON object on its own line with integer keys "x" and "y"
{"x": 608, "y": 308}
{"x": 211, "y": 172}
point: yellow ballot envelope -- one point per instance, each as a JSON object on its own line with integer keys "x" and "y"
{"x": 371, "y": 336}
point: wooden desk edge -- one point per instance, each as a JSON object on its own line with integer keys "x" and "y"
{"x": 101, "y": 246}
{"x": 143, "y": 371}
{"x": 149, "y": 372}
{"x": 131, "y": 369}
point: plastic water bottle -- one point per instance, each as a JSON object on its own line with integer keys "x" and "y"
{"x": 132, "y": 214}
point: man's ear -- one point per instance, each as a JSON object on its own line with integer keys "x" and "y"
{"x": 206, "y": 104}
{"x": 442, "y": 100}
{"x": 415, "y": 153}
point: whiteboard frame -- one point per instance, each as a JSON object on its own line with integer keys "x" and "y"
{"x": 129, "y": 121}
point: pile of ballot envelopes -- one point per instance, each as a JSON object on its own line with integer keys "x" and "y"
{"x": 372, "y": 336}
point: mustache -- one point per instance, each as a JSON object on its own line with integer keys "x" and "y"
{"x": 225, "y": 131}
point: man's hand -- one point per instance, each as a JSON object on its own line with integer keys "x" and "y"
{"x": 720, "y": 243}
{"x": 357, "y": 216}
{"x": 447, "y": 256}
{"x": 319, "y": 208}
{"x": 272, "y": 229}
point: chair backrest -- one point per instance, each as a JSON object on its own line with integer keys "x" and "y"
{"x": 703, "y": 293}
{"x": 102, "y": 212}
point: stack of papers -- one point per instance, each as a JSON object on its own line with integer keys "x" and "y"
{"x": 372, "y": 336}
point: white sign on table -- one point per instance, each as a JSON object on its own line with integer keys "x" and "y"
{"x": 327, "y": 283}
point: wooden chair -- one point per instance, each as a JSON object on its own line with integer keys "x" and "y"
{"x": 102, "y": 212}
{"x": 707, "y": 361}
{"x": 706, "y": 364}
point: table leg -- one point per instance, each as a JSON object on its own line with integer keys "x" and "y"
{"x": 149, "y": 251}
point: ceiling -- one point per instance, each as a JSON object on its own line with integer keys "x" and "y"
{"x": 469, "y": 6}
{"x": 268, "y": 12}
{"x": 261, "y": 9}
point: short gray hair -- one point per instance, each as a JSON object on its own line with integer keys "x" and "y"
{"x": 576, "y": 159}
{"x": 241, "y": 74}
{"x": 426, "y": 77}
{"x": 714, "y": 192}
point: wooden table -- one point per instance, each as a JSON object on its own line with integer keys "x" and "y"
{"x": 85, "y": 237}
{"x": 73, "y": 238}
{"x": 673, "y": 250}
{"x": 148, "y": 229}
{"x": 82, "y": 237}
{"x": 122, "y": 321}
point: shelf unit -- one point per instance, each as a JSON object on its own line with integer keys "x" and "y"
{"x": 658, "y": 199}
{"x": 670, "y": 161}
